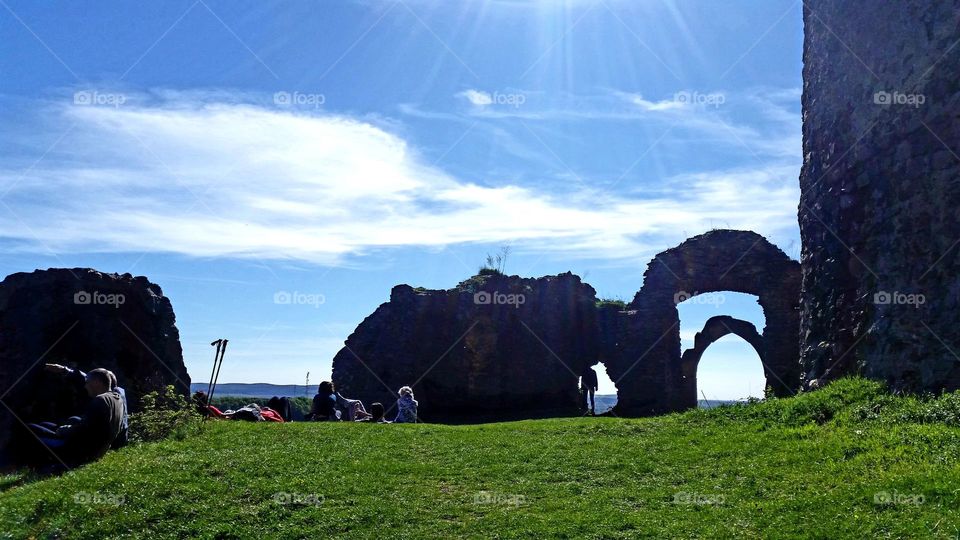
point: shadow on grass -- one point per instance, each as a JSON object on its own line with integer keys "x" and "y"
{"x": 21, "y": 477}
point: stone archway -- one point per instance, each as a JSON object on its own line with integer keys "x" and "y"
{"x": 648, "y": 367}
{"x": 714, "y": 329}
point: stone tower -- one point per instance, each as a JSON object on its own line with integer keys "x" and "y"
{"x": 880, "y": 192}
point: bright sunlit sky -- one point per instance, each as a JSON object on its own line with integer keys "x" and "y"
{"x": 234, "y": 150}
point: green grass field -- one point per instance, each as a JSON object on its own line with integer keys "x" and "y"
{"x": 848, "y": 461}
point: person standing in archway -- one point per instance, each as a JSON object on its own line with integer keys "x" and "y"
{"x": 588, "y": 387}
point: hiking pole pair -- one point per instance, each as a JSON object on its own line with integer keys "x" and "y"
{"x": 221, "y": 345}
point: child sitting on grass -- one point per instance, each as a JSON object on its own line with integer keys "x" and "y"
{"x": 406, "y": 406}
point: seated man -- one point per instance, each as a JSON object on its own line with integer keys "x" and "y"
{"x": 89, "y": 436}
{"x": 79, "y": 378}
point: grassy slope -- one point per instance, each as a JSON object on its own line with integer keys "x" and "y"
{"x": 807, "y": 466}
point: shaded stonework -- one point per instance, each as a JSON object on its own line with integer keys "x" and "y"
{"x": 647, "y": 361}
{"x": 84, "y": 319}
{"x": 494, "y": 347}
{"x": 492, "y": 359}
{"x": 880, "y": 192}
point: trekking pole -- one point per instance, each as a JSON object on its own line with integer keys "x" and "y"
{"x": 223, "y": 351}
{"x": 705, "y": 400}
{"x": 216, "y": 355}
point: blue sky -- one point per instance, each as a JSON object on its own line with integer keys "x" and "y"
{"x": 237, "y": 151}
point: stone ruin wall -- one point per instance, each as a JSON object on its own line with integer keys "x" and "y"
{"x": 880, "y": 192}
{"x": 483, "y": 361}
{"x": 83, "y": 319}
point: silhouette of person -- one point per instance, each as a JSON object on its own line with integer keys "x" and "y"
{"x": 588, "y": 387}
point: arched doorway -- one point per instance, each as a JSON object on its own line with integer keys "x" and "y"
{"x": 648, "y": 368}
{"x": 729, "y": 372}
{"x": 606, "y": 398}
{"x": 730, "y": 368}
{"x": 716, "y": 329}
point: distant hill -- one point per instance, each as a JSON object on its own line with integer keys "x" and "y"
{"x": 705, "y": 404}
{"x": 263, "y": 390}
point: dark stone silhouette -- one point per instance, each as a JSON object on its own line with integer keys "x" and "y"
{"x": 83, "y": 319}
{"x": 647, "y": 361}
{"x": 494, "y": 347}
{"x": 880, "y": 192}
{"x": 495, "y": 360}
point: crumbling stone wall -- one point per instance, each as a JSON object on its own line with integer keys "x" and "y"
{"x": 880, "y": 192}
{"x": 494, "y": 347}
{"x": 519, "y": 351}
{"x": 83, "y": 319}
{"x": 647, "y": 367}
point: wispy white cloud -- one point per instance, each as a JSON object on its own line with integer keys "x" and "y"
{"x": 661, "y": 105}
{"x": 222, "y": 178}
{"x": 773, "y": 128}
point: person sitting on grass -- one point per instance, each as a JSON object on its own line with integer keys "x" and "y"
{"x": 325, "y": 403}
{"x": 86, "y": 437}
{"x": 79, "y": 378}
{"x": 351, "y": 409}
{"x": 376, "y": 414}
{"x": 406, "y": 407}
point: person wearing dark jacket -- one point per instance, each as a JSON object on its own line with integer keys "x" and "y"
{"x": 588, "y": 387}
{"x": 325, "y": 403}
{"x": 79, "y": 378}
{"x": 87, "y": 437}
{"x": 282, "y": 406}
